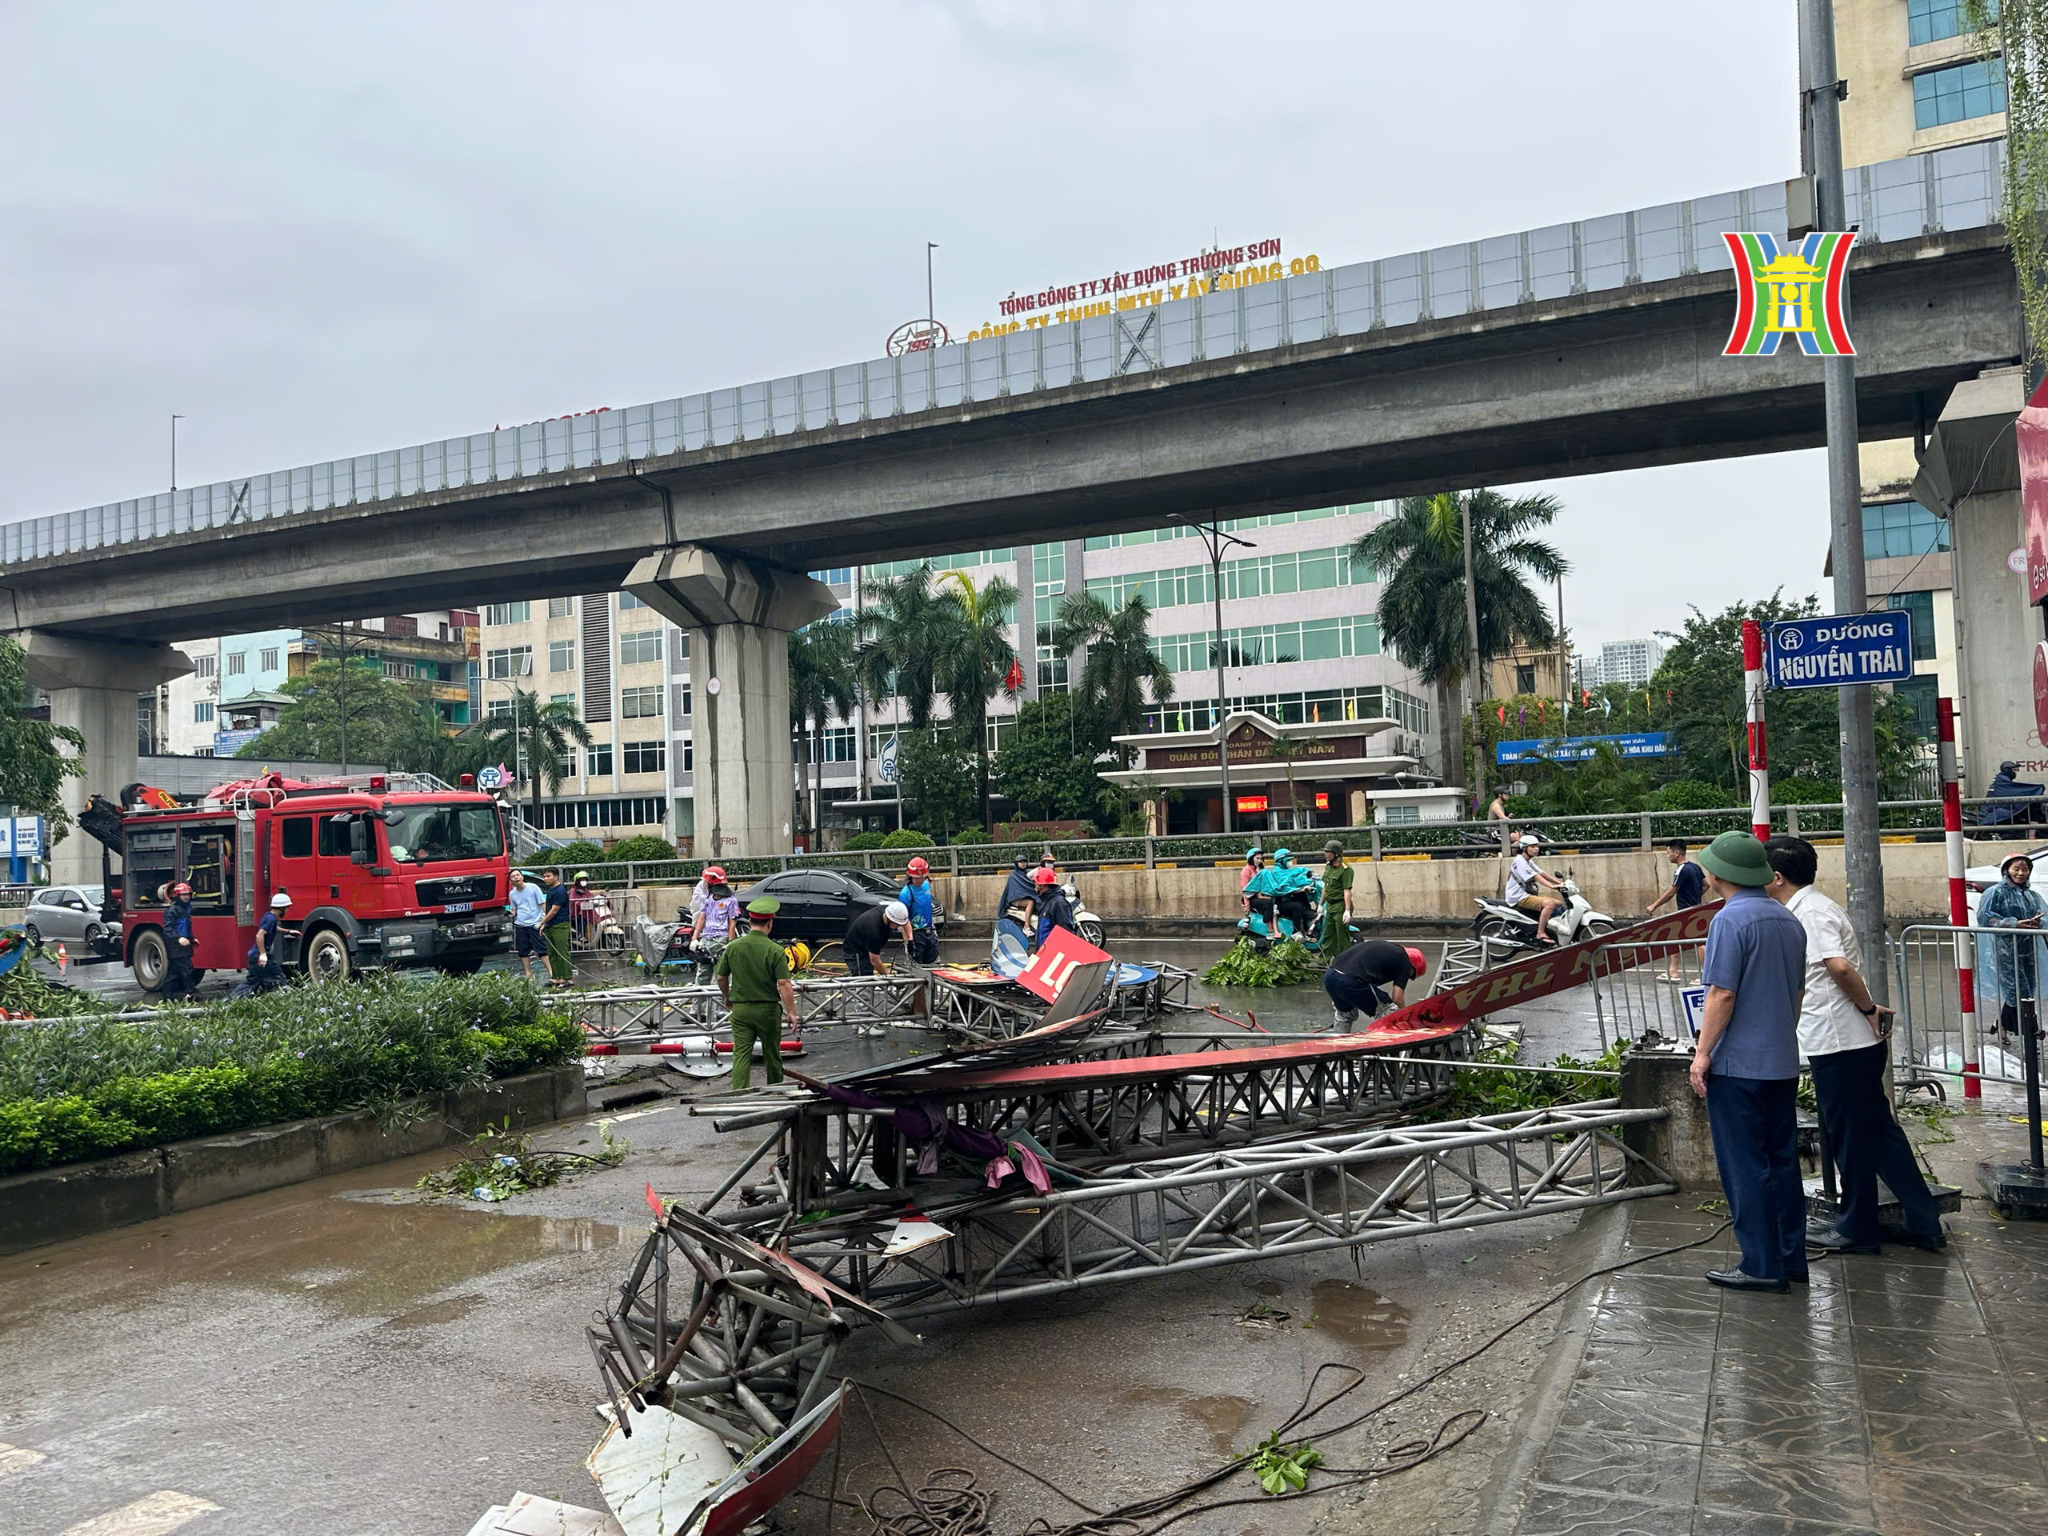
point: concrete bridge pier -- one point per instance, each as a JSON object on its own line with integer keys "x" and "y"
{"x": 740, "y": 616}
{"x": 92, "y": 685}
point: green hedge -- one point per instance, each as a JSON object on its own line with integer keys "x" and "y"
{"x": 78, "y": 1088}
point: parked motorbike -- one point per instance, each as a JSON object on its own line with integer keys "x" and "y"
{"x": 603, "y": 928}
{"x": 1576, "y": 919}
{"x": 661, "y": 945}
{"x": 1086, "y": 923}
{"x": 1266, "y": 927}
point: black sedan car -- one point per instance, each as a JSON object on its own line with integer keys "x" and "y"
{"x": 817, "y": 904}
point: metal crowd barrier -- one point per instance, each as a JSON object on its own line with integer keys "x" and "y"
{"x": 591, "y": 935}
{"x": 1931, "y": 1036}
{"x": 1638, "y": 991}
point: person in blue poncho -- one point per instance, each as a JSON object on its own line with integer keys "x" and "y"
{"x": 2013, "y": 903}
{"x": 1282, "y": 892}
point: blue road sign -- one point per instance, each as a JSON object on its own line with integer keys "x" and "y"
{"x": 1836, "y": 651}
{"x": 1576, "y": 749}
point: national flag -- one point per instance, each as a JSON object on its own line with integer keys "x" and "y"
{"x": 1013, "y": 680}
{"x": 1502, "y": 711}
{"x": 1797, "y": 292}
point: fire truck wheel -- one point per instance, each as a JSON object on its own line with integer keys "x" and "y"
{"x": 327, "y": 957}
{"x": 467, "y": 967}
{"x": 150, "y": 959}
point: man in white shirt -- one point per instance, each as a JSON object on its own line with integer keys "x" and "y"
{"x": 1528, "y": 887}
{"x": 1842, "y": 1034}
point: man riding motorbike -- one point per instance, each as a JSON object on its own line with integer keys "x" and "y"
{"x": 1529, "y": 888}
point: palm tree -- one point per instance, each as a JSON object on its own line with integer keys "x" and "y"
{"x": 821, "y": 669}
{"x": 897, "y": 641}
{"x": 1120, "y": 665}
{"x": 541, "y": 738}
{"x": 1422, "y": 606}
{"x": 976, "y": 660}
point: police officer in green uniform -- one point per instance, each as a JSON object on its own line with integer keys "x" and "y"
{"x": 753, "y": 978}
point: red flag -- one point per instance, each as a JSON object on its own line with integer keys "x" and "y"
{"x": 1503, "y": 713}
{"x": 654, "y": 1203}
{"x": 1013, "y": 680}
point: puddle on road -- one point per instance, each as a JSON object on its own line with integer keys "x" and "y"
{"x": 1360, "y": 1315}
{"x": 354, "y": 1257}
{"x": 1224, "y": 1417}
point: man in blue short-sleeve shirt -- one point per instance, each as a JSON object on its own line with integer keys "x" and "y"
{"x": 1747, "y": 1064}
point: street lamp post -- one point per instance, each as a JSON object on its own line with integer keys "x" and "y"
{"x": 1215, "y": 540}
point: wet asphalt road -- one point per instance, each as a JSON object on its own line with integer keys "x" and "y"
{"x": 339, "y": 1357}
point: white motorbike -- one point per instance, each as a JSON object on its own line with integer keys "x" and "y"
{"x": 604, "y": 929}
{"x": 1574, "y": 920}
{"x": 1086, "y": 923}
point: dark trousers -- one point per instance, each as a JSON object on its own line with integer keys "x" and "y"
{"x": 1353, "y": 996}
{"x": 2016, "y": 1016}
{"x": 1868, "y": 1145}
{"x": 924, "y": 946}
{"x": 1755, "y": 1125}
{"x": 178, "y": 978}
{"x": 857, "y": 962}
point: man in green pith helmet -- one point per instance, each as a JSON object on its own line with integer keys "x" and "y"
{"x": 753, "y": 978}
{"x": 1336, "y": 936}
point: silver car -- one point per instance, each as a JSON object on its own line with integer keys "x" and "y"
{"x": 68, "y": 914}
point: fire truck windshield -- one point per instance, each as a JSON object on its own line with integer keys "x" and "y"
{"x": 425, "y": 834}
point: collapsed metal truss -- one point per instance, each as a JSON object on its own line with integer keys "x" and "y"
{"x": 1158, "y": 1104}
{"x": 629, "y": 1016}
{"x": 1230, "y": 1204}
{"x": 743, "y": 1343}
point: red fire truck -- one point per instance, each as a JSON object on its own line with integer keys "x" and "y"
{"x": 376, "y": 877}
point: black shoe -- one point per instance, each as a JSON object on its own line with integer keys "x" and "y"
{"x": 1737, "y": 1280}
{"x": 1934, "y": 1243}
{"x": 1834, "y": 1242}
{"x": 1797, "y": 1277}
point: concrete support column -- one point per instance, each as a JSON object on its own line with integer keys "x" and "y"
{"x": 740, "y": 616}
{"x": 92, "y": 686}
{"x": 1970, "y": 475}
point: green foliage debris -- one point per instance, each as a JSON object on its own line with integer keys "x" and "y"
{"x": 1290, "y": 963}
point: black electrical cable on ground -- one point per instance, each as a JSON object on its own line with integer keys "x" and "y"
{"x": 949, "y": 1503}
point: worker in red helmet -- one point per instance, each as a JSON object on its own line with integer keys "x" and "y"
{"x": 179, "y": 982}
{"x": 916, "y": 895}
{"x": 713, "y": 925}
{"x": 1052, "y": 908}
{"x": 1367, "y": 976}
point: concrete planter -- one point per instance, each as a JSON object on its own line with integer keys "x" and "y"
{"x": 54, "y": 1204}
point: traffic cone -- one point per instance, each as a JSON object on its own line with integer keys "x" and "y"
{"x": 63, "y": 959}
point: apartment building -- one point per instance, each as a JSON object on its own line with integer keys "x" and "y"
{"x": 1301, "y": 633}
{"x": 1918, "y": 80}
{"x": 624, "y": 670}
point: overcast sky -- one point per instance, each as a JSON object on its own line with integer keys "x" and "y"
{"x": 317, "y": 231}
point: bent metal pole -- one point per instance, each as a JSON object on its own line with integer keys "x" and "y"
{"x": 1753, "y": 702}
{"x": 1958, "y": 895}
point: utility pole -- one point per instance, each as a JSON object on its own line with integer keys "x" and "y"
{"x": 1215, "y": 540}
{"x": 931, "y": 312}
{"x": 1477, "y": 675}
{"x": 175, "y": 419}
{"x": 1821, "y": 90}
{"x": 341, "y": 694}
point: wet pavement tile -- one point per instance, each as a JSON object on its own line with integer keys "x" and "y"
{"x": 1861, "y": 1274}
{"x": 1648, "y": 1367}
{"x": 1783, "y": 1378}
{"x": 1907, "y": 1349}
{"x": 1909, "y": 1392}
{"x": 1932, "y": 1314}
{"x": 1797, "y": 1487}
{"x": 1984, "y": 1447}
{"x": 1655, "y": 1325}
{"x": 1595, "y": 1461}
{"x": 1820, "y": 1426}
{"x": 1793, "y": 1336}
{"x": 1633, "y": 1289}
{"x": 1996, "y": 1287}
{"x": 1629, "y": 1411}
{"x": 1912, "y": 1501}
{"x": 1725, "y": 1522}
{"x": 1558, "y": 1512}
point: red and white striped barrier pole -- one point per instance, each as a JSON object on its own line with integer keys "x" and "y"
{"x": 1958, "y": 894}
{"x": 1753, "y": 701}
